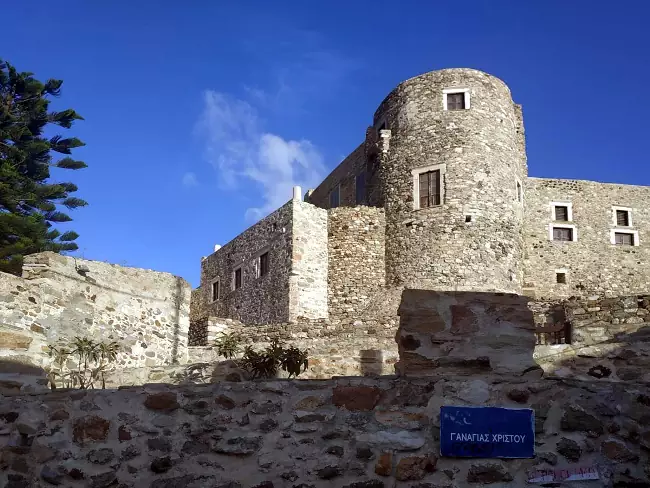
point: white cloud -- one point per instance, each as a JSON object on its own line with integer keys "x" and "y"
{"x": 241, "y": 152}
{"x": 189, "y": 180}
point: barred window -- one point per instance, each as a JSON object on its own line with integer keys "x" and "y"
{"x": 623, "y": 218}
{"x": 564, "y": 234}
{"x": 561, "y": 214}
{"x": 455, "y": 101}
{"x": 623, "y": 239}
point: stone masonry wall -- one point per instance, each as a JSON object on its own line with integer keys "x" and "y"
{"x": 309, "y": 268}
{"x": 346, "y": 433}
{"x": 58, "y": 297}
{"x": 593, "y": 265}
{"x": 473, "y": 239}
{"x": 357, "y": 270}
{"x": 259, "y": 300}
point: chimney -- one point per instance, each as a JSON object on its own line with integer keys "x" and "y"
{"x": 297, "y": 193}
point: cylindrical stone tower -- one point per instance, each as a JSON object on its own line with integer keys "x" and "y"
{"x": 452, "y": 183}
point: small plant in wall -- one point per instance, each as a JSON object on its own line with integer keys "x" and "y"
{"x": 91, "y": 360}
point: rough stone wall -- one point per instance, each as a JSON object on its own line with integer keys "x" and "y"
{"x": 610, "y": 338}
{"x": 357, "y": 272}
{"x": 483, "y": 153}
{"x": 58, "y": 297}
{"x": 593, "y": 265}
{"x": 259, "y": 300}
{"x": 348, "y": 433}
{"x": 344, "y": 174}
{"x": 308, "y": 280}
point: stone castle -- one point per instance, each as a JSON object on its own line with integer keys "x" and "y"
{"x": 437, "y": 197}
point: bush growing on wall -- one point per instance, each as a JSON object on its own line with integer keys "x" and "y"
{"x": 92, "y": 361}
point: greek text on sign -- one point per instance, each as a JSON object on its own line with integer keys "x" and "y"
{"x": 487, "y": 432}
{"x": 568, "y": 474}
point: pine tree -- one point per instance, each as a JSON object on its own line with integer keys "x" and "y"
{"x": 29, "y": 202}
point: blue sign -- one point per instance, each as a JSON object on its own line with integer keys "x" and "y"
{"x": 487, "y": 432}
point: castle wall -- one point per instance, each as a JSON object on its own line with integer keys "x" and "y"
{"x": 593, "y": 264}
{"x": 59, "y": 297}
{"x": 345, "y": 175}
{"x": 259, "y": 300}
{"x": 480, "y": 154}
{"x": 356, "y": 245}
{"x": 309, "y": 263}
{"x": 347, "y": 433}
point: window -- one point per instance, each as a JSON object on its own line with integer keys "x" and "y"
{"x": 237, "y": 279}
{"x": 264, "y": 264}
{"x": 215, "y": 292}
{"x": 429, "y": 188}
{"x": 622, "y": 217}
{"x": 560, "y": 278}
{"x": 335, "y": 197}
{"x": 381, "y": 127}
{"x": 623, "y": 239}
{"x": 562, "y": 211}
{"x": 360, "y": 184}
{"x": 563, "y": 233}
{"x": 562, "y": 214}
{"x": 520, "y": 194}
{"x": 455, "y": 99}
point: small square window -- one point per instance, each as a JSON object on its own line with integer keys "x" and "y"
{"x": 237, "y": 279}
{"x": 455, "y": 101}
{"x": 264, "y": 264}
{"x": 468, "y": 218}
{"x": 623, "y": 239}
{"x": 335, "y": 197}
{"x": 623, "y": 218}
{"x": 564, "y": 234}
{"x": 560, "y": 278}
{"x": 215, "y": 292}
{"x": 561, "y": 213}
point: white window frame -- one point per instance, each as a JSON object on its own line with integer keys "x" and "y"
{"x": 629, "y": 216}
{"x": 212, "y": 283}
{"x": 232, "y": 285}
{"x": 448, "y": 91}
{"x": 568, "y": 205}
{"x": 624, "y": 230}
{"x": 574, "y": 234}
{"x": 416, "y": 183}
{"x": 566, "y": 276}
{"x": 519, "y": 191}
{"x": 337, "y": 188}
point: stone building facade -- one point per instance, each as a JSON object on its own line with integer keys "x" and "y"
{"x": 438, "y": 197}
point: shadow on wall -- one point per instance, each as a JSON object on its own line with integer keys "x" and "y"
{"x": 371, "y": 362}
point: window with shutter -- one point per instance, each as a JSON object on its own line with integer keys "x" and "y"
{"x": 561, "y": 214}
{"x": 429, "y": 188}
{"x": 562, "y": 234}
{"x": 623, "y": 239}
{"x": 264, "y": 264}
{"x": 622, "y": 218}
{"x": 455, "y": 101}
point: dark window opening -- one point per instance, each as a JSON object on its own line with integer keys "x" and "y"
{"x": 237, "y": 279}
{"x": 429, "y": 188}
{"x": 215, "y": 291}
{"x": 623, "y": 239}
{"x": 519, "y": 195}
{"x": 622, "y": 218}
{"x": 380, "y": 128}
{"x": 560, "y": 278}
{"x": 335, "y": 197}
{"x": 468, "y": 218}
{"x": 562, "y": 214}
{"x": 361, "y": 188}
{"x": 455, "y": 101}
{"x": 562, "y": 234}
{"x": 264, "y": 264}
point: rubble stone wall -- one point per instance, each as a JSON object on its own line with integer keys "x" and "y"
{"x": 347, "y": 433}
{"x": 357, "y": 271}
{"x": 59, "y": 297}
{"x": 592, "y": 264}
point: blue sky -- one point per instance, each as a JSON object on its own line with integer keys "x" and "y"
{"x": 200, "y": 116}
